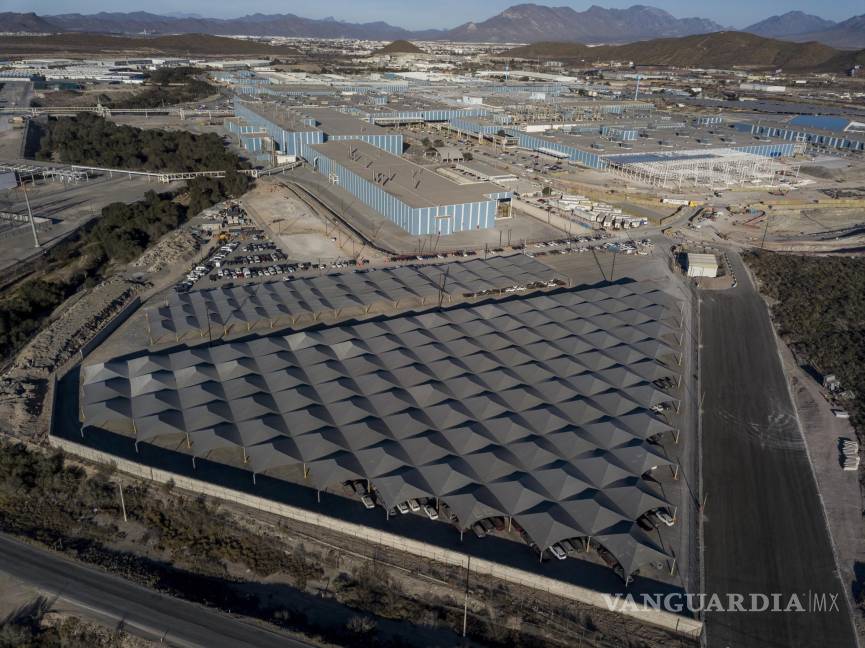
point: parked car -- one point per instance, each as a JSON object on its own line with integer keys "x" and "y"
{"x": 414, "y": 505}
{"x": 368, "y": 502}
{"x": 402, "y": 507}
{"x": 665, "y": 517}
{"x": 430, "y": 511}
{"x": 558, "y": 552}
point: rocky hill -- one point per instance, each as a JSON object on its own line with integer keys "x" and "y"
{"x": 721, "y": 49}
{"x": 528, "y": 23}
{"x": 400, "y": 47}
{"x": 789, "y": 24}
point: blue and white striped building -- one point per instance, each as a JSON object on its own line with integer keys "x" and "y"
{"x": 413, "y": 197}
{"x": 806, "y": 134}
{"x": 292, "y": 130}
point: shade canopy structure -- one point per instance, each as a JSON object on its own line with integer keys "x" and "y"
{"x": 541, "y": 408}
{"x": 216, "y": 312}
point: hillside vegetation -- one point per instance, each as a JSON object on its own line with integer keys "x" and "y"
{"x": 167, "y": 87}
{"x": 91, "y": 140}
{"x": 122, "y": 232}
{"x": 819, "y": 309}
{"x": 720, "y": 49}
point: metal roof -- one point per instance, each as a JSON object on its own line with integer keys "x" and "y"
{"x": 538, "y": 408}
{"x": 823, "y": 122}
{"x": 416, "y": 186}
{"x": 240, "y": 309}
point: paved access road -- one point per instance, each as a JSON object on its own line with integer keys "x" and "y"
{"x": 764, "y": 531}
{"x": 143, "y": 611}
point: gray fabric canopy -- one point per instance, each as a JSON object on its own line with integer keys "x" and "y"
{"x": 537, "y": 408}
{"x": 239, "y": 309}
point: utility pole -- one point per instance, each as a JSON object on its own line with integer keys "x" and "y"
{"x": 466, "y": 602}
{"x": 36, "y": 243}
{"x": 122, "y": 503}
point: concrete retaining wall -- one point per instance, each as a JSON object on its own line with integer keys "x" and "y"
{"x": 682, "y": 625}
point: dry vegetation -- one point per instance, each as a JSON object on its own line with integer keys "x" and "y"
{"x": 201, "y": 551}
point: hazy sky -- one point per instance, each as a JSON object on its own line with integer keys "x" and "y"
{"x": 418, "y": 14}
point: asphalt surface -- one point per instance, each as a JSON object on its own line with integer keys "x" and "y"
{"x": 71, "y": 205}
{"x": 764, "y": 528}
{"x": 143, "y": 611}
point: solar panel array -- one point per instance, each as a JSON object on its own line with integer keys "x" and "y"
{"x": 221, "y": 311}
{"x": 538, "y": 408}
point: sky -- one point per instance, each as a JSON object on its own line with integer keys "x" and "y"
{"x": 424, "y": 14}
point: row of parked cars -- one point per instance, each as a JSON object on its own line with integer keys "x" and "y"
{"x": 436, "y": 255}
{"x": 251, "y": 259}
{"x": 568, "y": 547}
{"x": 426, "y": 505}
{"x": 259, "y": 247}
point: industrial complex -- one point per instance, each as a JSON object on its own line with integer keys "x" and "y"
{"x": 460, "y": 323}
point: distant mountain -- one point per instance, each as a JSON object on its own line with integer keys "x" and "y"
{"x": 175, "y": 45}
{"x": 523, "y": 23}
{"x": 252, "y": 25}
{"x": 25, "y": 22}
{"x": 789, "y": 24}
{"x": 400, "y": 47}
{"x": 721, "y": 49}
{"x": 529, "y": 23}
{"x": 847, "y": 34}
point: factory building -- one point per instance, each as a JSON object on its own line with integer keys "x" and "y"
{"x": 413, "y": 197}
{"x": 292, "y": 129}
{"x": 527, "y": 141}
{"x": 816, "y": 130}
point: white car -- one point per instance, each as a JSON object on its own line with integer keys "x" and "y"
{"x": 402, "y": 507}
{"x": 431, "y": 513}
{"x": 413, "y": 505}
{"x": 558, "y": 552}
{"x": 367, "y": 502}
{"x": 665, "y": 517}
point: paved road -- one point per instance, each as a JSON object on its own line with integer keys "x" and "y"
{"x": 143, "y": 611}
{"x": 764, "y": 529}
{"x": 72, "y": 205}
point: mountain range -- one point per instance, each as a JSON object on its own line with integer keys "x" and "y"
{"x": 528, "y": 23}
{"x": 523, "y": 23}
{"x": 718, "y": 49}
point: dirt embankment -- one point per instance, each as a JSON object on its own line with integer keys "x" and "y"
{"x": 24, "y": 383}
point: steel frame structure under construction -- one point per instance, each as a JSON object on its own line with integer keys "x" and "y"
{"x": 716, "y": 169}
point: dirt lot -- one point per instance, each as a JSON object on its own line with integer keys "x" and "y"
{"x": 299, "y": 231}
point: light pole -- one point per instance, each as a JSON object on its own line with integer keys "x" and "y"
{"x": 36, "y": 243}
